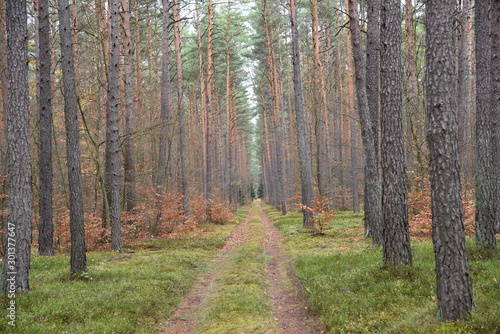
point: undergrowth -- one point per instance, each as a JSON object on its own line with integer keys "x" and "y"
{"x": 351, "y": 290}
{"x": 131, "y": 292}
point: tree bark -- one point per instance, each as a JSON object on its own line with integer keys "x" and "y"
{"x": 306, "y": 179}
{"x": 180, "y": 109}
{"x": 411, "y": 105}
{"x": 165, "y": 110}
{"x": 208, "y": 190}
{"x": 454, "y": 289}
{"x": 203, "y": 103}
{"x": 394, "y": 193}
{"x": 19, "y": 218}
{"x": 352, "y": 120}
{"x": 462, "y": 73}
{"x": 372, "y": 205}
{"x": 373, "y": 70}
{"x": 495, "y": 110}
{"x": 44, "y": 93}
{"x": 485, "y": 206}
{"x": 129, "y": 112}
{"x": 112, "y": 131}
{"x": 226, "y": 179}
{"x": 77, "y": 227}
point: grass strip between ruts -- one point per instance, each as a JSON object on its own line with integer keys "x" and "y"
{"x": 239, "y": 303}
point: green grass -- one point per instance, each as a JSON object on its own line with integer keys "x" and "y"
{"x": 122, "y": 293}
{"x": 240, "y": 303}
{"x": 349, "y": 288}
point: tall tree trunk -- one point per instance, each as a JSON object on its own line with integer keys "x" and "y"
{"x": 16, "y": 263}
{"x": 462, "y": 73}
{"x": 352, "y": 121}
{"x": 337, "y": 133}
{"x": 372, "y": 205}
{"x": 129, "y": 112}
{"x": 278, "y": 130}
{"x": 394, "y": 193}
{"x": 112, "y": 130}
{"x": 495, "y": 110}
{"x": 485, "y": 205}
{"x": 306, "y": 179}
{"x": 166, "y": 120}
{"x": 227, "y": 167}
{"x": 454, "y": 289}
{"x": 180, "y": 109}
{"x": 411, "y": 105}
{"x": 208, "y": 191}
{"x": 203, "y": 103}
{"x": 44, "y": 92}
{"x": 319, "y": 105}
{"x": 373, "y": 70}
{"x": 77, "y": 227}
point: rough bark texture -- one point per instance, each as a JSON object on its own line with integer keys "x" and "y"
{"x": 279, "y": 131}
{"x": 373, "y": 70}
{"x": 78, "y": 256}
{"x": 454, "y": 289}
{"x": 129, "y": 166}
{"x": 462, "y": 72}
{"x": 394, "y": 193}
{"x": 411, "y": 103}
{"x": 495, "y": 110}
{"x": 46, "y": 226}
{"x": 166, "y": 107}
{"x": 183, "y": 170}
{"x": 306, "y": 178}
{"x": 485, "y": 205}
{"x": 112, "y": 131}
{"x": 372, "y": 205}
{"x": 18, "y": 236}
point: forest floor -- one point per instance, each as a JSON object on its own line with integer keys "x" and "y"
{"x": 261, "y": 273}
{"x": 250, "y": 288}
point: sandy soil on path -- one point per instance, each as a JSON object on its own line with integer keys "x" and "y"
{"x": 185, "y": 318}
{"x": 284, "y": 289}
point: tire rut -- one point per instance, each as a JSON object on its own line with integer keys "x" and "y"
{"x": 185, "y": 318}
{"x": 285, "y": 292}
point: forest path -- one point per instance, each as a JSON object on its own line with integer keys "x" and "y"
{"x": 185, "y": 318}
{"x": 288, "y": 312}
{"x": 285, "y": 292}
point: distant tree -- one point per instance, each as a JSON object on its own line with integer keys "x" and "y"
{"x": 485, "y": 187}
{"x": 454, "y": 289}
{"x": 306, "y": 179}
{"x": 44, "y": 96}
{"x": 209, "y": 105}
{"x": 183, "y": 170}
{"x": 19, "y": 218}
{"x": 394, "y": 193}
{"x": 78, "y": 255}
{"x": 165, "y": 106}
